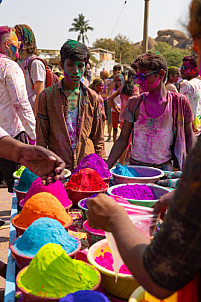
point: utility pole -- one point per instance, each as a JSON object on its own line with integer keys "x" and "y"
{"x": 145, "y": 34}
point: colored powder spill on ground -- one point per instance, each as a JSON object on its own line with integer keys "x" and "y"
{"x": 85, "y": 296}
{"x": 41, "y": 205}
{"x": 86, "y": 180}
{"x": 118, "y": 199}
{"x": 56, "y": 189}
{"x": 138, "y": 192}
{"x": 26, "y": 180}
{"x": 19, "y": 171}
{"x": 94, "y": 162}
{"x": 125, "y": 171}
{"x": 43, "y": 231}
{"x": 52, "y": 273}
{"x": 106, "y": 261}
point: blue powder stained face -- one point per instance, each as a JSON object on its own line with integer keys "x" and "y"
{"x": 26, "y": 180}
{"x": 42, "y": 231}
{"x": 125, "y": 171}
{"x": 85, "y": 296}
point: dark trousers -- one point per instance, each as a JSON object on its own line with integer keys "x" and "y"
{"x": 8, "y": 167}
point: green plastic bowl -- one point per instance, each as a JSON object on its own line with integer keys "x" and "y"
{"x": 158, "y": 190}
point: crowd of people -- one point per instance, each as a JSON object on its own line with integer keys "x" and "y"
{"x": 49, "y": 123}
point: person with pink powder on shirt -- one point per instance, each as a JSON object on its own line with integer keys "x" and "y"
{"x": 161, "y": 120}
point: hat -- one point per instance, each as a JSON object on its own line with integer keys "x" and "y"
{"x": 56, "y": 70}
{"x": 117, "y": 67}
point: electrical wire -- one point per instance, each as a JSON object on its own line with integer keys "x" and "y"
{"x": 118, "y": 18}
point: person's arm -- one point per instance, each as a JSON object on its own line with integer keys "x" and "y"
{"x": 42, "y": 122}
{"x": 120, "y": 145}
{"x": 16, "y": 87}
{"x": 40, "y": 161}
{"x": 162, "y": 204}
{"x": 189, "y": 136}
{"x": 39, "y": 87}
{"x": 104, "y": 213}
{"x": 112, "y": 97}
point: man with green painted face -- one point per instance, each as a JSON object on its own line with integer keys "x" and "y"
{"x": 68, "y": 119}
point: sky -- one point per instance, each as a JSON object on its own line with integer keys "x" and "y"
{"x": 51, "y": 19}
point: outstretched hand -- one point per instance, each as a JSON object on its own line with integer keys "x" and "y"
{"x": 43, "y": 163}
{"x": 162, "y": 204}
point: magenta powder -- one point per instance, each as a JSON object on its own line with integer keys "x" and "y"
{"x": 138, "y": 192}
{"x": 56, "y": 189}
{"x": 106, "y": 261}
{"x": 94, "y": 162}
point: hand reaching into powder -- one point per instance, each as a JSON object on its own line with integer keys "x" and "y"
{"x": 104, "y": 212}
{"x": 162, "y": 204}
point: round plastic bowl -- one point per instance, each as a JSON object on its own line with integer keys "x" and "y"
{"x": 27, "y": 297}
{"x": 158, "y": 190}
{"x": 76, "y": 196}
{"x": 20, "y": 230}
{"x": 83, "y": 208}
{"x": 147, "y": 175}
{"x": 66, "y": 208}
{"x": 20, "y": 195}
{"x": 22, "y": 260}
{"x": 125, "y": 284}
{"x": 107, "y": 180}
{"x": 93, "y": 235}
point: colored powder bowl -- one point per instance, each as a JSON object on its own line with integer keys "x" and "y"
{"x": 106, "y": 260}
{"x": 93, "y": 235}
{"x": 41, "y": 205}
{"x": 42, "y": 231}
{"x": 26, "y": 180}
{"x": 86, "y": 180}
{"x": 53, "y": 274}
{"x": 18, "y": 173}
{"x": 125, "y": 171}
{"x": 94, "y": 162}
{"x": 139, "y": 192}
{"x": 85, "y": 295}
{"x": 56, "y": 189}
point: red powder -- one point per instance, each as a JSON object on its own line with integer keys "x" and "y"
{"x": 106, "y": 261}
{"x": 86, "y": 180}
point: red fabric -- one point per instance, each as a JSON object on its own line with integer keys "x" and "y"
{"x": 189, "y": 292}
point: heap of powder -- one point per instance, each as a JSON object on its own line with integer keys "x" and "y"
{"x": 85, "y": 296}
{"x": 125, "y": 171}
{"x": 26, "y": 180}
{"x": 106, "y": 261}
{"x": 56, "y": 189}
{"x": 19, "y": 171}
{"x": 42, "y": 231}
{"x": 138, "y": 192}
{"x": 52, "y": 273}
{"x": 42, "y": 205}
{"x": 118, "y": 199}
{"x": 88, "y": 229}
{"x": 86, "y": 180}
{"x": 95, "y": 162}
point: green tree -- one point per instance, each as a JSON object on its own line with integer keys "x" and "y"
{"x": 173, "y": 55}
{"x": 82, "y": 26}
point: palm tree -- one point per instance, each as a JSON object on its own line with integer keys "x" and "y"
{"x": 81, "y": 25}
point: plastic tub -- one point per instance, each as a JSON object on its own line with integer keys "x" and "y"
{"x": 158, "y": 190}
{"x": 93, "y": 235}
{"x": 147, "y": 175}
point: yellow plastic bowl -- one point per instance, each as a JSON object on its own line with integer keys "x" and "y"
{"x": 125, "y": 284}
{"x": 140, "y": 295}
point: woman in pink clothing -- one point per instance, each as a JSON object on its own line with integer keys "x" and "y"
{"x": 125, "y": 91}
{"x": 98, "y": 86}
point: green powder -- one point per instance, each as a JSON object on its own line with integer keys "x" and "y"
{"x": 52, "y": 273}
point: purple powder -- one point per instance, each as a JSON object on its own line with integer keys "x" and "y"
{"x": 94, "y": 162}
{"x": 138, "y": 192}
{"x": 85, "y": 296}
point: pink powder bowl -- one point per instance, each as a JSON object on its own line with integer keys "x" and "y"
{"x": 56, "y": 189}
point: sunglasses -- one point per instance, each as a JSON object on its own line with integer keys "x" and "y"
{"x": 142, "y": 76}
{"x": 186, "y": 67}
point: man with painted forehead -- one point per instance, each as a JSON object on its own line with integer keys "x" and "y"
{"x": 161, "y": 121}
{"x": 69, "y": 120}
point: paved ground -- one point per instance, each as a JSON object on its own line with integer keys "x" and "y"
{"x": 5, "y": 206}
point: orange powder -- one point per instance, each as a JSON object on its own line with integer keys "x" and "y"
{"x": 42, "y": 205}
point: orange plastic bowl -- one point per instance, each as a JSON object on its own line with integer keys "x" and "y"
{"x": 28, "y": 297}
{"x": 22, "y": 260}
{"x": 21, "y": 230}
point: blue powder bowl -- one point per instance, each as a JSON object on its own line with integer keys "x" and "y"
{"x": 42, "y": 231}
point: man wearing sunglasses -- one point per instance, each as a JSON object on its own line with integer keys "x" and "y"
{"x": 161, "y": 121}
{"x": 191, "y": 88}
